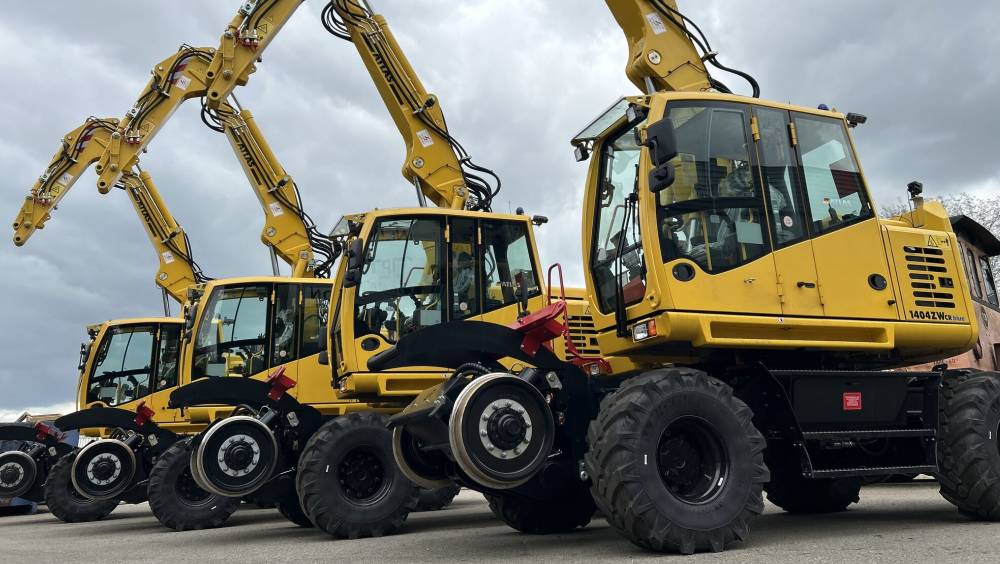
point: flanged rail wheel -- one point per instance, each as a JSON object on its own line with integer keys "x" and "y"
{"x": 104, "y": 469}
{"x": 18, "y": 473}
{"x": 235, "y": 457}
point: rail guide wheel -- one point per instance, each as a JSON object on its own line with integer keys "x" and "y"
{"x": 104, "y": 469}
{"x": 18, "y": 473}
{"x": 500, "y": 431}
{"x": 235, "y": 457}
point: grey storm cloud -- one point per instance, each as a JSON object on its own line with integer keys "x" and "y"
{"x": 517, "y": 78}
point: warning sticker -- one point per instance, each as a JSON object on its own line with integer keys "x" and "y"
{"x": 656, "y": 23}
{"x": 65, "y": 179}
{"x": 183, "y": 82}
{"x": 425, "y": 138}
{"x": 276, "y": 209}
{"x": 168, "y": 257}
{"x": 852, "y": 401}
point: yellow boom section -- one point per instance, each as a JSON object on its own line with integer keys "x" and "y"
{"x": 288, "y": 230}
{"x": 434, "y": 161}
{"x": 209, "y": 73}
{"x": 177, "y": 271}
{"x": 662, "y": 56}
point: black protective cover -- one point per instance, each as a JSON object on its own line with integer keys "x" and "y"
{"x": 115, "y": 418}
{"x": 240, "y": 391}
{"x": 18, "y": 432}
{"x": 451, "y": 345}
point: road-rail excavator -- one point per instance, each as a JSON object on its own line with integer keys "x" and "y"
{"x": 124, "y": 361}
{"x": 747, "y": 302}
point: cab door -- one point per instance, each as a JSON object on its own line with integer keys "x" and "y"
{"x": 313, "y": 311}
{"x": 852, "y": 269}
{"x": 285, "y": 333}
{"x": 711, "y": 221}
{"x": 797, "y": 279}
{"x": 165, "y": 372}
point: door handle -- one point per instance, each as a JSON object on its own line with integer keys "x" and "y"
{"x": 803, "y": 284}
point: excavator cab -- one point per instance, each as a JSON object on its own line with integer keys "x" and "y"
{"x": 421, "y": 268}
{"x": 757, "y": 231}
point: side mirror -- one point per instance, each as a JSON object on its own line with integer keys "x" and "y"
{"x": 662, "y": 144}
{"x": 355, "y": 253}
{"x": 189, "y": 314}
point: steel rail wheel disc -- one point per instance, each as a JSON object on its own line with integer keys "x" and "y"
{"x": 414, "y": 464}
{"x": 18, "y": 472}
{"x": 235, "y": 457}
{"x": 104, "y": 469}
{"x": 501, "y": 430}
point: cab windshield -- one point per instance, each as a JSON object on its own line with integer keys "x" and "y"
{"x": 123, "y": 365}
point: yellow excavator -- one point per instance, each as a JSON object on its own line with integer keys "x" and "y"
{"x": 420, "y": 272}
{"x": 125, "y": 361}
{"x": 747, "y": 301}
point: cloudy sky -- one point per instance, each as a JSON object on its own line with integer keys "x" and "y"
{"x": 517, "y": 78}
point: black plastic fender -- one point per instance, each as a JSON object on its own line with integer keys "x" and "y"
{"x": 242, "y": 391}
{"x": 114, "y": 418}
{"x": 465, "y": 341}
{"x": 26, "y": 432}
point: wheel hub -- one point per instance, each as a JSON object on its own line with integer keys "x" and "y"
{"x": 239, "y": 455}
{"x": 104, "y": 469}
{"x": 505, "y": 428}
{"x": 362, "y": 475}
{"x": 692, "y": 460}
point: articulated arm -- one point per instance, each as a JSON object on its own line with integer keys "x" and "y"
{"x": 287, "y": 228}
{"x": 664, "y": 48}
{"x": 435, "y": 162}
{"x": 80, "y": 148}
{"x": 178, "y": 269}
{"x": 206, "y": 73}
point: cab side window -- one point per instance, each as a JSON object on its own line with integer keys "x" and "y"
{"x": 463, "y": 279}
{"x": 284, "y": 324}
{"x": 315, "y": 310}
{"x": 836, "y": 195}
{"x": 167, "y": 357}
{"x": 779, "y": 170}
{"x": 123, "y": 367}
{"x": 990, "y": 285}
{"x": 507, "y": 264}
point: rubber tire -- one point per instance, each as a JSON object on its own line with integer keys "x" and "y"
{"x": 437, "y": 499}
{"x": 797, "y": 494}
{"x": 632, "y": 495}
{"x": 172, "y": 510}
{"x": 968, "y": 453}
{"x": 65, "y": 503}
{"x": 543, "y": 517}
{"x": 291, "y": 509}
{"x": 320, "y": 492}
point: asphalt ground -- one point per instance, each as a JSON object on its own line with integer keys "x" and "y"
{"x": 893, "y": 523}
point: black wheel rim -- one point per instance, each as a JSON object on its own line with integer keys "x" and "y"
{"x": 188, "y": 491}
{"x": 692, "y": 460}
{"x": 363, "y": 477}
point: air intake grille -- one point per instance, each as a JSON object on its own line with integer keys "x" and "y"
{"x": 583, "y": 335}
{"x": 929, "y": 277}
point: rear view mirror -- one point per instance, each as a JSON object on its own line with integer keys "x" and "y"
{"x": 354, "y": 253}
{"x": 662, "y": 144}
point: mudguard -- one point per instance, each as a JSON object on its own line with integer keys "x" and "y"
{"x": 26, "y": 432}
{"x": 241, "y": 391}
{"x": 467, "y": 341}
{"x": 113, "y": 417}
